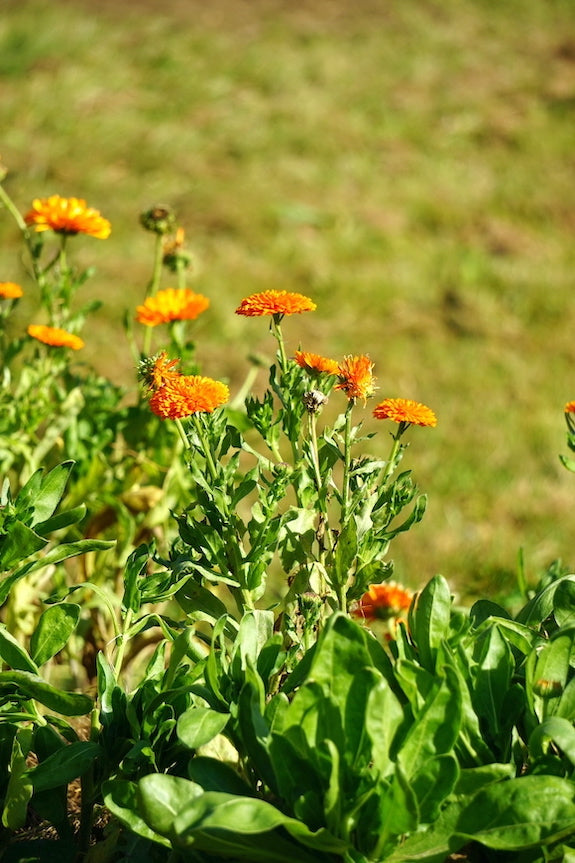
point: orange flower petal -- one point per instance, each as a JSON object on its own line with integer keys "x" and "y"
{"x": 188, "y": 394}
{"x": 67, "y": 216}
{"x": 405, "y": 411}
{"x": 275, "y": 303}
{"x": 10, "y": 291}
{"x": 383, "y": 601}
{"x": 55, "y": 337}
{"x": 569, "y": 408}
{"x": 315, "y": 363}
{"x": 356, "y": 377}
{"x": 171, "y": 304}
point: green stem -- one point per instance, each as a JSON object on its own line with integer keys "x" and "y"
{"x": 122, "y": 643}
{"x": 153, "y": 286}
{"x": 277, "y": 332}
{"x": 207, "y": 452}
{"x": 26, "y": 233}
{"x": 393, "y": 459}
{"x": 346, "y": 464}
{"x": 182, "y": 433}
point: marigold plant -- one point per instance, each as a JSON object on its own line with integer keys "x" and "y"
{"x": 67, "y": 216}
{"x": 55, "y": 337}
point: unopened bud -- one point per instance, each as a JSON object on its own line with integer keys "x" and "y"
{"x": 160, "y": 220}
{"x": 314, "y": 401}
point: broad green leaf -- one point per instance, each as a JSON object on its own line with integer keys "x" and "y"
{"x": 345, "y": 552}
{"x": 64, "y": 765}
{"x": 32, "y": 686}
{"x": 61, "y": 520}
{"x": 54, "y": 628}
{"x": 256, "y": 628}
{"x": 540, "y": 607}
{"x": 400, "y": 813}
{"x": 552, "y": 668}
{"x": 473, "y": 779}
{"x": 135, "y": 565}
{"x": 432, "y": 783}
{"x": 495, "y": 667}
{"x": 558, "y": 730}
{"x": 161, "y": 797}
{"x": 121, "y": 799}
{"x": 434, "y": 844}
{"x": 13, "y": 654}
{"x": 198, "y": 725}
{"x": 436, "y": 729}
{"x": 383, "y": 717}
{"x": 523, "y": 813}
{"x": 215, "y": 775}
{"x": 428, "y": 619}
{"x": 564, "y": 603}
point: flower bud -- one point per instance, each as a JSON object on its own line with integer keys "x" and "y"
{"x": 313, "y": 401}
{"x": 160, "y": 220}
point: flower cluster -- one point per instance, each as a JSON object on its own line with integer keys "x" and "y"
{"x": 174, "y": 395}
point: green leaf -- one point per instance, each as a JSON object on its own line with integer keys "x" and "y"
{"x": 61, "y": 520}
{"x": 135, "y": 565}
{"x": 523, "y": 813}
{"x": 436, "y": 729}
{"x": 198, "y": 725}
{"x": 495, "y": 668}
{"x": 564, "y": 603}
{"x": 32, "y": 686}
{"x": 56, "y": 555}
{"x": 560, "y": 731}
{"x": 428, "y": 619}
{"x": 215, "y": 775}
{"x": 383, "y": 718}
{"x": 54, "y": 628}
{"x": 161, "y": 797}
{"x": 121, "y": 799}
{"x": 432, "y": 783}
{"x": 44, "y": 497}
{"x": 64, "y": 765}
{"x": 18, "y": 544}
{"x": 540, "y": 607}
{"x": 13, "y": 654}
{"x": 345, "y": 552}
{"x": 551, "y": 669}
{"x": 473, "y": 779}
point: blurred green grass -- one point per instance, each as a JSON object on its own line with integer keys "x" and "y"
{"x": 407, "y": 164}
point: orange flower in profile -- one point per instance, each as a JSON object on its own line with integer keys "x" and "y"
{"x": 67, "y": 216}
{"x": 55, "y": 337}
{"x": 356, "y": 377}
{"x": 157, "y": 371}
{"x": 569, "y": 408}
{"x": 10, "y": 291}
{"x": 188, "y": 394}
{"x": 383, "y": 601}
{"x": 275, "y": 303}
{"x": 171, "y": 304}
{"x": 405, "y": 411}
{"x": 316, "y": 364}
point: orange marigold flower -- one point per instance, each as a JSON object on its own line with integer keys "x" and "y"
{"x": 275, "y": 303}
{"x": 171, "y": 304}
{"x": 67, "y": 216}
{"x": 10, "y": 290}
{"x": 383, "y": 601}
{"x": 157, "y": 371}
{"x": 570, "y": 408}
{"x": 316, "y": 364}
{"x": 356, "y": 377}
{"x": 55, "y": 337}
{"x": 188, "y": 394}
{"x": 405, "y": 411}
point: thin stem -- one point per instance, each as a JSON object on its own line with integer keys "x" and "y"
{"x": 393, "y": 459}
{"x": 207, "y": 452}
{"x": 122, "y": 643}
{"x": 277, "y": 331}
{"x": 346, "y": 464}
{"x": 182, "y": 433}
{"x": 153, "y": 286}
{"x": 17, "y": 216}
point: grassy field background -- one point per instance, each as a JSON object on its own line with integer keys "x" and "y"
{"x": 409, "y": 165}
